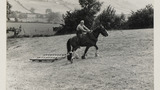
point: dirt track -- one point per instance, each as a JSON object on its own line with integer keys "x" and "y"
{"x": 125, "y": 63}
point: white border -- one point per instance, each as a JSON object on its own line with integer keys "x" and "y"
{"x": 156, "y": 44}
{"x": 3, "y": 45}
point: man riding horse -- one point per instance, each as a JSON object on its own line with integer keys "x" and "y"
{"x": 81, "y": 29}
{"x": 90, "y": 39}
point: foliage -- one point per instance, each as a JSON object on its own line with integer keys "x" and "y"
{"x": 54, "y": 17}
{"x": 9, "y": 6}
{"x": 22, "y": 15}
{"x": 11, "y": 13}
{"x": 32, "y": 10}
{"x": 48, "y": 11}
{"x": 90, "y": 6}
{"x": 87, "y": 13}
{"x": 142, "y": 18}
{"x": 109, "y": 19}
{"x": 14, "y": 15}
{"x": 39, "y": 16}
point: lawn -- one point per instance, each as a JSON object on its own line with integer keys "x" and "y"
{"x": 125, "y": 63}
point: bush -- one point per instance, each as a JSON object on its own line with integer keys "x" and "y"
{"x": 72, "y": 19}
{"x": 9, "y": 6}
{"x": 109, "y": 19}
{"x": 53, "y": 17}
{"x": 142, "y": 18}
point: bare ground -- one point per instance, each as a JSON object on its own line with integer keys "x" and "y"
{"x": 125, "y": 63}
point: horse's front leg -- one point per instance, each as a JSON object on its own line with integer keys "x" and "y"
{"x": 83, "y": 57}
{"x": 96, "y": 53}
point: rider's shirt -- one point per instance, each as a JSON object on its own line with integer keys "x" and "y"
{"x": 81, "y": 28}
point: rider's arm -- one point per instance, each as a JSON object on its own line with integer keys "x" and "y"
{"x": 86, "y": 28}
{"x": 81, "y": 28}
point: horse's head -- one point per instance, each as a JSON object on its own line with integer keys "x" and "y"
{"x": 102, "y": 30}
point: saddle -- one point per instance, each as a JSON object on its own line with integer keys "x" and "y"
{"x": 87, "y": 38}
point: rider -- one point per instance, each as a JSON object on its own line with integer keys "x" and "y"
{"x": 81, "y": 29}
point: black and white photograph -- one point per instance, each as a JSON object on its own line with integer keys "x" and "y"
{"x": 79, "y": 44}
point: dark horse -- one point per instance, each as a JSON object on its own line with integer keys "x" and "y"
{"x": 87, "y": 40}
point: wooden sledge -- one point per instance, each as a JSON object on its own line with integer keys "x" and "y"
{"x": 49, "y": 57}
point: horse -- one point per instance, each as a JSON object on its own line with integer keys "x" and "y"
{"x": 87, "y": 40}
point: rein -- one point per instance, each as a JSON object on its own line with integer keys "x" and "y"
{"x": 92, "y": 36}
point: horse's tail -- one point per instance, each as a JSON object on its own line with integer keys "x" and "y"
{"x": 69, "y": 54}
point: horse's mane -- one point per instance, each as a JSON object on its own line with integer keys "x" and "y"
{"x": 96, "y": 28}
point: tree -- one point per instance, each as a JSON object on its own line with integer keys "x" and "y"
{"x": 53, "y": 17}
{"x": 48, "y": 11}
{"x": 87, "y": 13}
{"x": 22, "y": 15}
{"x": 9, "y": 6}
{"x": 142, "y": 18}
{"x": 15, "y": 16}
{"x": 109, "y": 19}
{"x": 89, "y": 9}
{"x": 49, "y": 14}
{"x": 32, "y": 10}
{"x": 92, "y": 6}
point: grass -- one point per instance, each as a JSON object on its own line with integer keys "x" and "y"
{"x": 125, "y": 63}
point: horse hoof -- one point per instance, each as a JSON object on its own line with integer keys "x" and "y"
{"x": 83, "y": 57}
{"x": 71, "y": 61}
{"x": 69, "y": 57}
{"x": 76, "y": 57}
{"x": 96, "y": 55}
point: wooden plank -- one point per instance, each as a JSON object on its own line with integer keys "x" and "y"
{"x": 49, "y": 57}
{"x": 40, "y": 60}
{"x": 55, "y": 55}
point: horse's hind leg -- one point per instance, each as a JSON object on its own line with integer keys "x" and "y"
{"x": 72, "y": 54}
{"x": 69, "y": 57}
{"x": 96, "y": 53}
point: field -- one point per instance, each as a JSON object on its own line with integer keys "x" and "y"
{"x": 125, "y": 63}
{"x": 31, "y": 29}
